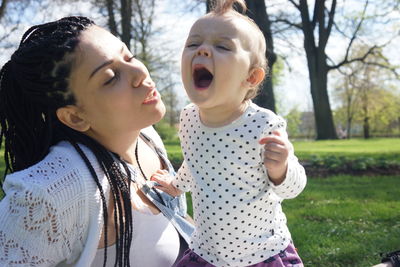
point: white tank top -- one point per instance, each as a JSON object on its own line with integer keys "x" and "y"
{"x": 155, "y": 243}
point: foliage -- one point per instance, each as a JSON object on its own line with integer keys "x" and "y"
{"x": 166, "y": 132}
{"x": 293, "y": 119}
{"x": 368, "y": 96}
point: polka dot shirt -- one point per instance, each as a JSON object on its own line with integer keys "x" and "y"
{"x": 237, "y": 210}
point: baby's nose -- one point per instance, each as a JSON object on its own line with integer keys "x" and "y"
{"x": 203, "y": 51}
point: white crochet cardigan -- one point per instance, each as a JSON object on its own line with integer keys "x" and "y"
{"x": 51, "y": 214}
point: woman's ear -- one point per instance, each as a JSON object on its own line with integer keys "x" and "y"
{"x": 256, "y": 76}
{"x": 70, "y": 116}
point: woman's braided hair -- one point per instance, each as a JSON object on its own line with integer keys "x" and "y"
{"x": 33, "y": 85}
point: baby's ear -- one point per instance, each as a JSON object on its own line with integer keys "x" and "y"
{"x": 71, "y": 117}
{"x": 256, "y": 76}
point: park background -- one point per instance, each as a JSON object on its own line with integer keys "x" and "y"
{"x": 335, "y": 79}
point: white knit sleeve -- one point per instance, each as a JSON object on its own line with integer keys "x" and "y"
{"x": 42, "y": 216}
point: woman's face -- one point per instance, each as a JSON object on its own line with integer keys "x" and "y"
{"x": 114, "y": 91}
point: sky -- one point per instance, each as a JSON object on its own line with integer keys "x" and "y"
{"x": 292, "y": 92}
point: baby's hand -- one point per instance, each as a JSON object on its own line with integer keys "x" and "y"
{"x": 276, "y": 152}
{"x": 164, "y": 181}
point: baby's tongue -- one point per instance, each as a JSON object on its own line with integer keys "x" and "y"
{"x": 204, "y": 82}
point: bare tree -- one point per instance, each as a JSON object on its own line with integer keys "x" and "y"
{"x": 317, "y": 29}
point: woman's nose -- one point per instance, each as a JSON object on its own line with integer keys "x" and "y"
{"x": 203, "y": 51}
{"x": 140, "y": 76}
{"x": 148, "y": 82}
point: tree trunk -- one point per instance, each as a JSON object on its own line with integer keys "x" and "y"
{"x": 208, "y": 6}
{"x": 3, "y": 5}
{"x": 126, "y": 26}
{"x": 318, "y": 69}
{"x": 366, "y": 127}
{"x": 258, "y": 12}
{"x": 322, "y": 110}
{"x": 111, "y": 17}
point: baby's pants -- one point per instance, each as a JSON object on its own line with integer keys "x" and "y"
{"x": 287, "y": 258}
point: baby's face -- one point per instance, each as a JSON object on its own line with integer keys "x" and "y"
{"x": 216, "y": 61}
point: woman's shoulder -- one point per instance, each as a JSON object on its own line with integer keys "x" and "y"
{"x": 62, "y": 170}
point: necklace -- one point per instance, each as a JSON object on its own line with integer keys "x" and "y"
{"x": 137, "y": 160}
{"x": 142, "y": 172}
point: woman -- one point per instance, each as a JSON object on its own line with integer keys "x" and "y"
{"x": 76, "y": 110}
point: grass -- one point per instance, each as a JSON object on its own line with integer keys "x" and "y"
{"x": 374, "y": 147}
{"x": 345, "y": 220}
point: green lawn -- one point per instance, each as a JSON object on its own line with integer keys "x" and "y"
{"x": 374, "y": 147}
{"x": 345, "y": 220}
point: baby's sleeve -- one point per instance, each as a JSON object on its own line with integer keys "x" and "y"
{"x": 183, "y": 179}
{"x": 294, "y": 182}
{"x": 275, "y": 123}
{"x": 296, "y": 178}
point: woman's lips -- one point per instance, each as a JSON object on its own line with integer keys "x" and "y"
{"x": 151, "y": 98}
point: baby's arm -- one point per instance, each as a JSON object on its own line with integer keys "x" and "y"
{"x": 277, "y": 148}
{"x": 164, "y": 180}
{"x": 282, "y": 167}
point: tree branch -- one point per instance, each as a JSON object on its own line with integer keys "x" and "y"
{"x": 287, "y": 22}
{"x": 356, "y": 31}
{"x": 295, "y": 4}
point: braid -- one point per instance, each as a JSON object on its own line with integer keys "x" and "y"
{"x": 33, "y": 85}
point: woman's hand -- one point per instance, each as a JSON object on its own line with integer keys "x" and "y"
{"x": 276, "y": 152}
{"x": 164, "y": 181}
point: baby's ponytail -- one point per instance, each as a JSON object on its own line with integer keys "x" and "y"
{"x": 223, "y": 6}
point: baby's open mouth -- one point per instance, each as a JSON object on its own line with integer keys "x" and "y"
{"x": 202, "y": 77}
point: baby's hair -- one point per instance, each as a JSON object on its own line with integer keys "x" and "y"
{"x": 34, "y": 83}
{"x": 238, "y": 8}
{"x": 220, "y": 7}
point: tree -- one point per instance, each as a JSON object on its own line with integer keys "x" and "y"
{"x": 347, "y": 94}
{"x": 316, "y": 29}
{"x": 366, "y": 93}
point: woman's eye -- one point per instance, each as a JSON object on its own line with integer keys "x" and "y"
{"x": 114, "y": 78}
